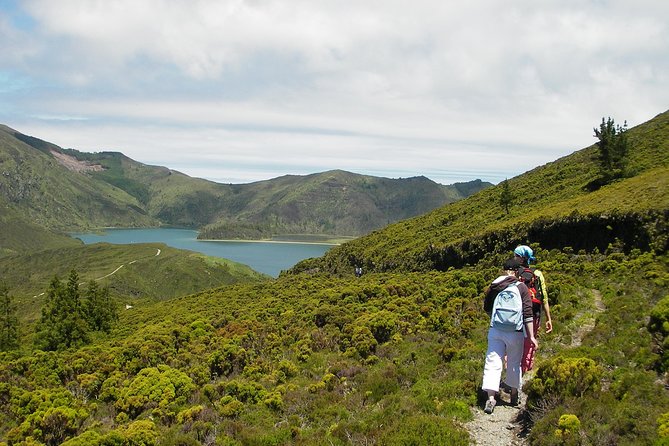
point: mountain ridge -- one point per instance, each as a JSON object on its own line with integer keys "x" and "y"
{"x": 109, "y": 189}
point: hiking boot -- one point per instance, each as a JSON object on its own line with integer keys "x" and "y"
{"x": 515, "y": 399}
{"x": 489, "y": 406}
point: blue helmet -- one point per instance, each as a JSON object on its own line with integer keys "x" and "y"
{"x": 526, "y": 252}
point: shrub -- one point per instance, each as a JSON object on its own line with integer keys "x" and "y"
{"x": 229, "y": 407}
{"x": 564, "y": 377}
{"x": 663, "y": 427}
{"x": 424, "y": 430}
{"x": 568, "y": 426}
{"x": 659, "y": 326}
{"x": 155, "y": 387}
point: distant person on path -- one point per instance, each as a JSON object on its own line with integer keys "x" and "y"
{"x": 539, "y": 300}
{"x": 509, "y": 305}
{"x": 358, "y": 271}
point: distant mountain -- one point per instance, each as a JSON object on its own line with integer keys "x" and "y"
{"x": 37, "y": 183}
{"x": 553, "y": 205}
{"x": 334, "y": 202}
{"x": 64, "y": 189}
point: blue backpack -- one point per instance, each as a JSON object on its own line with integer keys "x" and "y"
{"x": 507, "y": 311}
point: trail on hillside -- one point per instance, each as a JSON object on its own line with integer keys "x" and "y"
{"x": 107, "y": 275}
{"x": 504, "y": 426}
{"x": 589, "y": 322}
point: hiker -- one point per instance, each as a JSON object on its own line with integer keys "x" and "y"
{"x": 534, "y": 279}
{"x": 509, "y": 305}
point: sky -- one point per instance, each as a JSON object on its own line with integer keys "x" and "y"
{"x": 238, "y": 91}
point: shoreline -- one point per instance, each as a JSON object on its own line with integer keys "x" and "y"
{"x": 295, "y": 242}
{"x": 102, "y": 230}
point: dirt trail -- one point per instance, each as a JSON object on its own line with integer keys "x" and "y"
{"x": 504, "y": 426}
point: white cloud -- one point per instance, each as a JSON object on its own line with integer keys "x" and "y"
{"x": 435, "y": 88}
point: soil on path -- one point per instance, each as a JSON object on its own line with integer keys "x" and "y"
{"x": 503, "y": 427}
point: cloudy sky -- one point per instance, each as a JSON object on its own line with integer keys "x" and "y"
{"x": 237, "y": 91}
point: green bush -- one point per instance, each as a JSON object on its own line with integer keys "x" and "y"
{"x": 561, "y": 378}
{"x": 424, "y": 430}
{"x": 659, "y": 326}
{"x": 568, "y": 428}
{"x": 160, "y": 388}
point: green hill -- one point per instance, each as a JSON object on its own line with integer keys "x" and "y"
{"x": 552, "y": 206}
{"x": 334, "y": 202}
{"x": 67, "y": 189}
{"x": 40, "y": 189}
{"x": 133, "y": 273}
{"x": 17, "y": 235}
{"x": 394, "y": 357}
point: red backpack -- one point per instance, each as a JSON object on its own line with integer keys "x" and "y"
{"x": 533, "y": 282}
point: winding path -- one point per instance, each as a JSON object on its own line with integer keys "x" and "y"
{"x": 107, "y": 275}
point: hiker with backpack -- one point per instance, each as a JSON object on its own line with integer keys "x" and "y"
{"x": 509, "y": 305}
{"x": 534, "y": 279}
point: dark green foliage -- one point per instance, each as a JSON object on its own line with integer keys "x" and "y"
{"x": 613, "y": 148}
{"x": 9, "y": 323}
{"x": 68, "y": 318}
{"x": 99, "y": 309}
{"x": 63, "y": 323}
{"x": 506, "y": 197}
{"x": 659, "y": 326}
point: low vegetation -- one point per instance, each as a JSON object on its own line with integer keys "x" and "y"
{"x": 318, "y": 356}
{"x": 377, "y": 359}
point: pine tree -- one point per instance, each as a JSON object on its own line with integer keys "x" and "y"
{"x": 613, "y": 149}
{"x": 99, "y": 308}
{"x": 9, "y": 323}
{"x": 506, "y": 197}
{"x": 63, "y": 323}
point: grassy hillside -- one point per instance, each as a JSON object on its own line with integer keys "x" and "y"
{"x": 17, "y": 235}
{"x": 333, "y": 203}
{"x": 44, "y": 192}
{"x": 133, "y": 273}
{"x": 553, "y": 205}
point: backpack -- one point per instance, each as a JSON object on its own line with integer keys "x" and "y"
{"x": 533, "y": 282}
{"x": 507, "y": 311}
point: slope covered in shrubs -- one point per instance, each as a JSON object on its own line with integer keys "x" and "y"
{"x": 395, "y": 356}
{"x": 380, "y": 359}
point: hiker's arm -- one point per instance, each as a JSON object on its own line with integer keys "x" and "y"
{"x": 529, "y": 330}
{"x": 549, "y": 321}
{"x": 488, "y": 300}
{"x": 544, "y": 303}
{"x": 528, "y": 315}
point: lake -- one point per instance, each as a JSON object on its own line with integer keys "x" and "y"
{"x": 266, "y": 257}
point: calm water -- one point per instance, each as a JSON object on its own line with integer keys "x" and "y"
{"x": 266, "y": 257}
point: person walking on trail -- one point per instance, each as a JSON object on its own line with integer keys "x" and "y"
{"x": 535, "y": 281}
{"x": 509, "y": 305}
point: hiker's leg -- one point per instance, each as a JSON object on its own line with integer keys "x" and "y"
{"x": 514, "y": 354}
{"x": 492, "y": 370}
